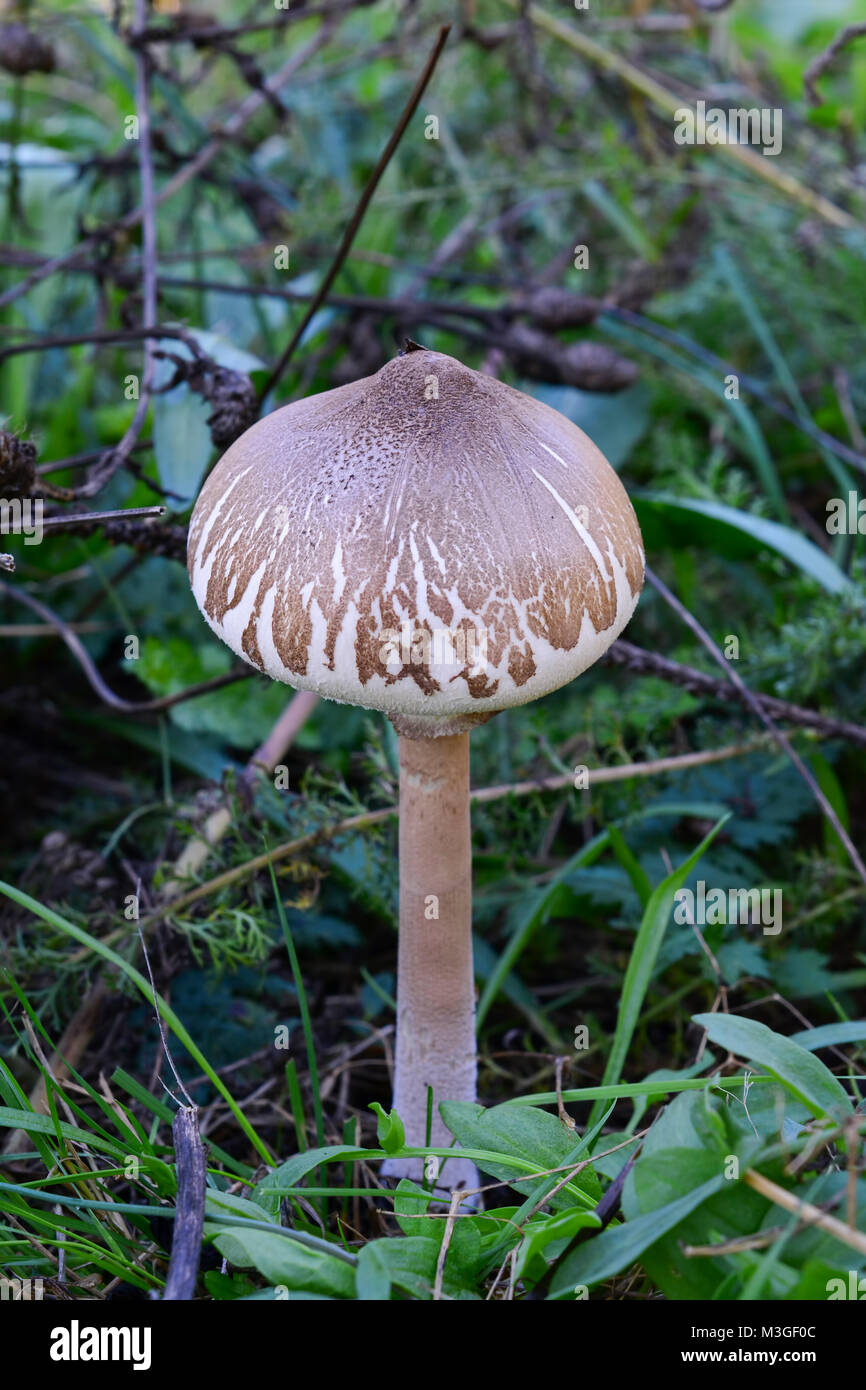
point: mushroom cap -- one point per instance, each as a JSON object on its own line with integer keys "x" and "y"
{"x": 426, "y": 541}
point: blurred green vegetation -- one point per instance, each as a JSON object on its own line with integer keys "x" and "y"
{"x": 703, "y": 269}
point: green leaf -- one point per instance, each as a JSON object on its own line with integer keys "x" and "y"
{"x": 801, "y": 1073}
{"x": 628, "y": 1089}
{"x": 820, "y": 1282}
{"x": 389, "y": 1128}
{"x": 464, "y": 1258}
{"x": 691, "y": 1149}
{"x": 740, "y": 957}
{"x": 228, "y": 1204}
{"x": 525, "y": 1133}
{"x": 290, "y": 1173}
{"x": 241, "y": 715}
{"x": 283, "y": 1261}
{"x": 614, "y": 1250}
{"x": 550, "y": 1231}
{"x": 637, "y": 873}
{"x": 409, "y": 1262}
{"x": 643, "y": 958}
{"x": 663, "y": 1074}
{"x": 668, "y": 521}
{"x": 831, "y": 1035}
{"x": 411, "y": 1202}
{"x": 373, "y": 1274}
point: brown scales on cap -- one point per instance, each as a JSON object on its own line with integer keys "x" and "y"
{"x": 427, "y": 495}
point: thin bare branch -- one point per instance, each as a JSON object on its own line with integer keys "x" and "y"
{"x": 821, "y": 63}
{"x": 358, "y": 215}
{"x": 638, "y": 659}
{"x": 757, "y": 709}
{"x": 108, "y": 697}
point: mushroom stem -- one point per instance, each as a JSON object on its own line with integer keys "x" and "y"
{"x": 435, "y": 980}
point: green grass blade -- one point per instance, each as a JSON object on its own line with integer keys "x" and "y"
{"x": 306, "y": 1021}
{"x": 643, "y": 958}
{"x": 532, "y": 920}
{"x": 166, "y": 1012}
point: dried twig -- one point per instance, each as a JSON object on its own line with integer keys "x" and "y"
{"x": 457, "y": 1198}
{"x": 42, "y": 342}
{"x": 108, "y": 697}
{"x": 191, "y": 1172}
{"x": 644, "y": 662}
{"x": 757, "y": 709}
{"x": 806, "y": 1211}
{"x": 198, "y": 31}
{"x": 84, "y": 520}
{"x": 189, "y": 1204}
{"x": 821, "y": 63}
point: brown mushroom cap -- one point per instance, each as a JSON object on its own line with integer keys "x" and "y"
{"x": 426, "y": 541}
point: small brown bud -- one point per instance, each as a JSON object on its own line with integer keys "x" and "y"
{"x": 17, "y": 465}
{"x": 22, "y": 51}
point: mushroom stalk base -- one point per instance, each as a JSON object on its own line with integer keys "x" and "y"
{"x": 435, "y": 980}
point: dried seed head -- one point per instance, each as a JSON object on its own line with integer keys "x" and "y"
{"x": 552, "y": 308}
{"x": 235, "y": 405}
{"x": 17, "y": 465}
{"x": 22, "y": 51}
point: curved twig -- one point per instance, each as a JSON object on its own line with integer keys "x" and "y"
{"x": 638, "y": 659}
{"x": 820, "y": 64}
{"x": 94, "y": 679}
{"x": 754, "y": 704}
{"x": 364, "y": 819}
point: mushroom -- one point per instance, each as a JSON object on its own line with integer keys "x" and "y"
{"x": 434, "y": 544}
